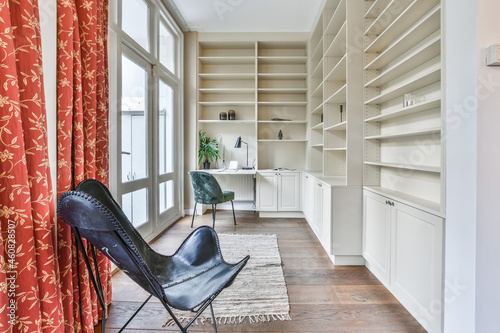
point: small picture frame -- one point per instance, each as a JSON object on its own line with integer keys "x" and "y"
{"x": 233, "y": 165}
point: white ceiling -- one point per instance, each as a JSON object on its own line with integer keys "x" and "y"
{"x": 249, "y": 15}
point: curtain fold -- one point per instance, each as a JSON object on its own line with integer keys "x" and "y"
{"x": 82, "y": 147}
{"x": 30, "y": 299}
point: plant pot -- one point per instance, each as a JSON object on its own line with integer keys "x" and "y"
{"x": 206, "y": 165}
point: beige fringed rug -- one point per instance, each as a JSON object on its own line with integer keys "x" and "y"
{"x": 258, "y": 294}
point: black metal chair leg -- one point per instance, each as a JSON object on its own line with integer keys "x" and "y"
{"x": 99, "y": 283}
{"x": 194, "y": 213}
{"x": 135, "y": 313}
{"x": 214, "y": 212}
{"x": 96, "y": 280}
{"x": 213, "y": 318}
{"x": 234, "y": 216}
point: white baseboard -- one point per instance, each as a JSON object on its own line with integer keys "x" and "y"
{"x": 348, "y": 260}
{"x": 281, "y": 214}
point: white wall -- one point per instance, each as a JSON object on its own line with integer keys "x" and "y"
{"x": 190, "y": 135}
{"x": 488, "y": 174}
{"x": 460, "y": 241}
{"x": 473, "y": 179}
{"x": 48, "y": 27}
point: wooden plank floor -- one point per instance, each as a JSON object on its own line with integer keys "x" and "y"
{"x": 323, "y": 297}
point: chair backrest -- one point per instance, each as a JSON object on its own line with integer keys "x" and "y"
{"x": 99, "y": 219}
{"x": 206, "y": 189}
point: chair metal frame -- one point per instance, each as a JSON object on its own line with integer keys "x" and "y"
{"x": 118, "y": 232}
{"x": 97, "y": 283}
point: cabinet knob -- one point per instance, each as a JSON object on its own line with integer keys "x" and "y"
{"x": 320, "y": 185}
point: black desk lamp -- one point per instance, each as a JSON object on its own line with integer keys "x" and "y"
{"x": 238, "y": 145}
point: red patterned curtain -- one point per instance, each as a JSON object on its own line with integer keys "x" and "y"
{"x": 30, "y": 299}
{"x": 82, "y": 147}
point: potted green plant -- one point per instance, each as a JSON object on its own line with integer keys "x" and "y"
{"x": 209, "y": 150}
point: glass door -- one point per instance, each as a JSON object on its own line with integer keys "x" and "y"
{"x": 135, "y": 149}
{"x": 166, "y": 150}
{"x": 149, "y": 181}
{"x": 168, "y": 180}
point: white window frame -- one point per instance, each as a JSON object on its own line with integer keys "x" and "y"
{"x": 120, "y": 43}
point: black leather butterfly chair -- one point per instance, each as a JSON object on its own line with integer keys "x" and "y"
{"x": 190, "y": 279}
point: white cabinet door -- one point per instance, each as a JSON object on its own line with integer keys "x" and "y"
{"x": 318, "y": 209}
{"x": 403, "y": 247}
{"x": 307, "y": 196}
{"x": 347, "y": 225}
{"x": 377, "y": 240}
{"x": 326, "y": 218}
{"x": 267, "y": 199}
{"x": 289, "y": 191}
{"x": 416, "y": 263}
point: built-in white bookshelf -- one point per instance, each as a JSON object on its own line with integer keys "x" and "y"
{"x": 333, "y": 179}
{"x": 227, "y": 81}
{"x": 282, "y": 103}
{"x": 265, "y": 83}
{"x": 404, "y": 178}
{"x": 335, "y": 127}
{"x": 403, "y": 128}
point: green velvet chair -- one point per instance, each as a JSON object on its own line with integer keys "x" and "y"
{"x": 207, "y": 191}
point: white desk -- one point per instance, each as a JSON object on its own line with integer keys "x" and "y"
{"x": 244, "y": 187}
{"x": 231, "y": 171}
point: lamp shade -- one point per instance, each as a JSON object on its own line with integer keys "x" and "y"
{"x": 238, "y": 143}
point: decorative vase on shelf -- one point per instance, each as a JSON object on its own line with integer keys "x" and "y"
{"x": 222, "y": 116}
{"x": 409, "y": 99}
{"x": 280, "y": 135}
{"x": 232, "y": 115}
{"x": 206, "y": 165}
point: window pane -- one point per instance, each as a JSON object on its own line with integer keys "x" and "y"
{"x": 166, "y": 129}
{"x": 135, "y": 21}
{"x": 166, "y": 195}
{"x": 167, "y": 47}
{"x": 134, "y": 125}
{"x": 135, "y": 206}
